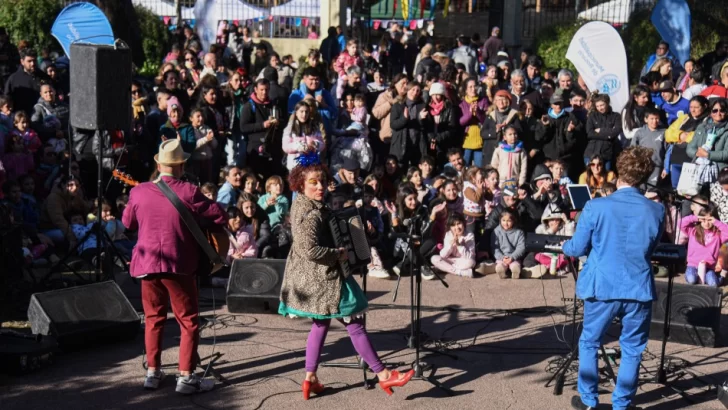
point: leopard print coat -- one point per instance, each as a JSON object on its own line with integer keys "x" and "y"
{"x": 312, "y": 280}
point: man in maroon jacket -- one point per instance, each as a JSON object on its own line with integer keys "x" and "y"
{"x": 165, "y": 259}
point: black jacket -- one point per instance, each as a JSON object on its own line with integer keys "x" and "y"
{"x": 251, "y": 123}
{"x": 529, "y": 216}
{"x": 427, "y": 65}
{"x": 491, "y": 137}
{"x": 445, "y": 134}
{"x": 408, "y": 136}
{"x": 24, "y": 88}
{"x": 558, "y": 143}
{"x": 602, "y": 143}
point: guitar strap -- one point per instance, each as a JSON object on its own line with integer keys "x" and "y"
{"x": 190, "y": 222}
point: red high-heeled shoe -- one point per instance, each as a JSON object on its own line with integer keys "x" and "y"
{"x": 307, "y": 387}
{"x": 395, "y": 381}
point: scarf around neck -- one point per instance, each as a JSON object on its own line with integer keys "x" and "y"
{"x": 518, "y": 147}
{"x": 556, "y": 116}
{"x": 470, "y": 100}
{"x": 257, "y": 101}
{"x": 436, "y": 108}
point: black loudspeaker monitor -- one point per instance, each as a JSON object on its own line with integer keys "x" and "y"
{"x": 100, "y": 87}
{"x": 255, "y": 285}
{"x": 84, "y": 315}
{"x": 695, "y": 314}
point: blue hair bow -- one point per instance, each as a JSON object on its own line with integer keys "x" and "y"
{"x": 308, "y": 159}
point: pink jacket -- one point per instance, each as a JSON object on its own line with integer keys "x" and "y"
{"x": 243, "y": 242}
{"x": 708, "y": 252}
{"x": 346, "y": 60}
{"x": 294, "y": 145}
{"x": 165, "y": 245}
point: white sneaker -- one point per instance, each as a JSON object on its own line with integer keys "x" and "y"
{"x": 427, "y": 273}
{"x": 193, "y": 384}
{"x": 396, "y": 270}
{"x": 466, "y": 273}
{"x": 378, "y": 273}
{"x": 151, "y": 382}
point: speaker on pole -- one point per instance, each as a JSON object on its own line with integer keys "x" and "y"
{"x": 84, "y": 315}
{"x": 100, "y": 87}
{"x": 255, "y": 285}
{"x": 694, "y": 314}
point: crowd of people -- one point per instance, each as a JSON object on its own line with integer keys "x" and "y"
{"x": 474, "y": 145}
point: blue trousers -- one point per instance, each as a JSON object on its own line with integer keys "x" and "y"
{"x": 474, "y": 157}
{"x": 598, "y": 316}
{"x": 711, "y": 278}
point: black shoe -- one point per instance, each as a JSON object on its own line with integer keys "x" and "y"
{"x": 577, "y": 404}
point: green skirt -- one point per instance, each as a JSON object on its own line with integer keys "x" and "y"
{"x": 352, "y": 301}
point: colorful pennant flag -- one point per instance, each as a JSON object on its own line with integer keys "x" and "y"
{"x": 166, "y": 20}
{"x": 377, "y": 24}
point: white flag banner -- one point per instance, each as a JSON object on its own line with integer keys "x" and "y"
{"x": 598, "y": 54}
{"x": 206, "y": 18}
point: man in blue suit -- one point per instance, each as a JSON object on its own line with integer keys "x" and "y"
{"x": 619, "y": 234}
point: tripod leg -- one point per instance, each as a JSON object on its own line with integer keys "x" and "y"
{"x": 608, "y": 368}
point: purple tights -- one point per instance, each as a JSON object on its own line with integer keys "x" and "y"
{"x": 359, "y": 339}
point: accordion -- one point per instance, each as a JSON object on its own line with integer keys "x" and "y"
{"x": 349, "y": 232}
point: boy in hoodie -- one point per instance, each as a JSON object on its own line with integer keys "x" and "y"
{"x": 652, "y": 136}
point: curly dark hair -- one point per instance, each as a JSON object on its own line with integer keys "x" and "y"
{"x": 634, "y": 165}
{"x": 297, "y": 177}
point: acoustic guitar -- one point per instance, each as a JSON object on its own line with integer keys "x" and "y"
{"x": 216, "y": 236}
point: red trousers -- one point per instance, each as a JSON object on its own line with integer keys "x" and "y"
{"x": 157, "y": 292}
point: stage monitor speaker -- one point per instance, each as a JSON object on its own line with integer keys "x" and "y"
{"x": 84, "y": 315}
{"x": 255, "y": 285}
{"x": 100, "y": 87}
{"x": 695, "y": 314}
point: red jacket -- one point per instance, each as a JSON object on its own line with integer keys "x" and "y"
{"x": 165, "y": 244}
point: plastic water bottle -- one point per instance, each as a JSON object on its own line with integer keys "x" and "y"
{"x": 552, "y": 267}
{"x": 701, "y": 271}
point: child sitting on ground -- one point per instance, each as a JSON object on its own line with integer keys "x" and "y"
{"x": 705, "y": 233}
{"x": 554, "y": 222}
{"x": 242, "y": 237}
{"x": 86, "y": 249}
{"x": 508, "y": 245}
{"x": 457, "y": 255}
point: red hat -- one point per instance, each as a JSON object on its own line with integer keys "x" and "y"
{"x": 505, "y": 94}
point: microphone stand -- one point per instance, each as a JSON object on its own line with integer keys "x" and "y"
{"x": 414, "y": 340}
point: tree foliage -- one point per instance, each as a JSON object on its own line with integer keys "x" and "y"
{"x": 155, "y": 37}
{"x": 30, "y": 20}
{"x": 553, "y": 41}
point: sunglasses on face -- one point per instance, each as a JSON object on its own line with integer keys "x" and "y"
{"x": 595, "y": 164}
{"x": 135, "y": 91}
{"x": 718, "y": 110}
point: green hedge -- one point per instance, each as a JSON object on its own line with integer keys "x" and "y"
{"x": 639, "y": 36}
{"x": 30, "y": 20}
{"x": 155, "y": 40}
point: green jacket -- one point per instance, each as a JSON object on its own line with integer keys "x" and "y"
{"x": 719, "y": 153}
{"x": 186, "y": 133}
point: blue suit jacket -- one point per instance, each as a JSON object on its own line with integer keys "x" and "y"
{"x": 619, "y": 233}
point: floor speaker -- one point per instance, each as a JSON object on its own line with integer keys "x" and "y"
{"x": 255, "y": 285}
{"x": 694, "y": 314}
{"x": 84, "y": 315}
{"x": 100, "y": 87}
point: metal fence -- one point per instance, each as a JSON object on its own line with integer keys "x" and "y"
{"x": 272, "y": 18}
{"x": 538, "y": 14}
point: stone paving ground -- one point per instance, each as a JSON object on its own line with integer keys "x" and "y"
{"x": 503, "y": 332}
